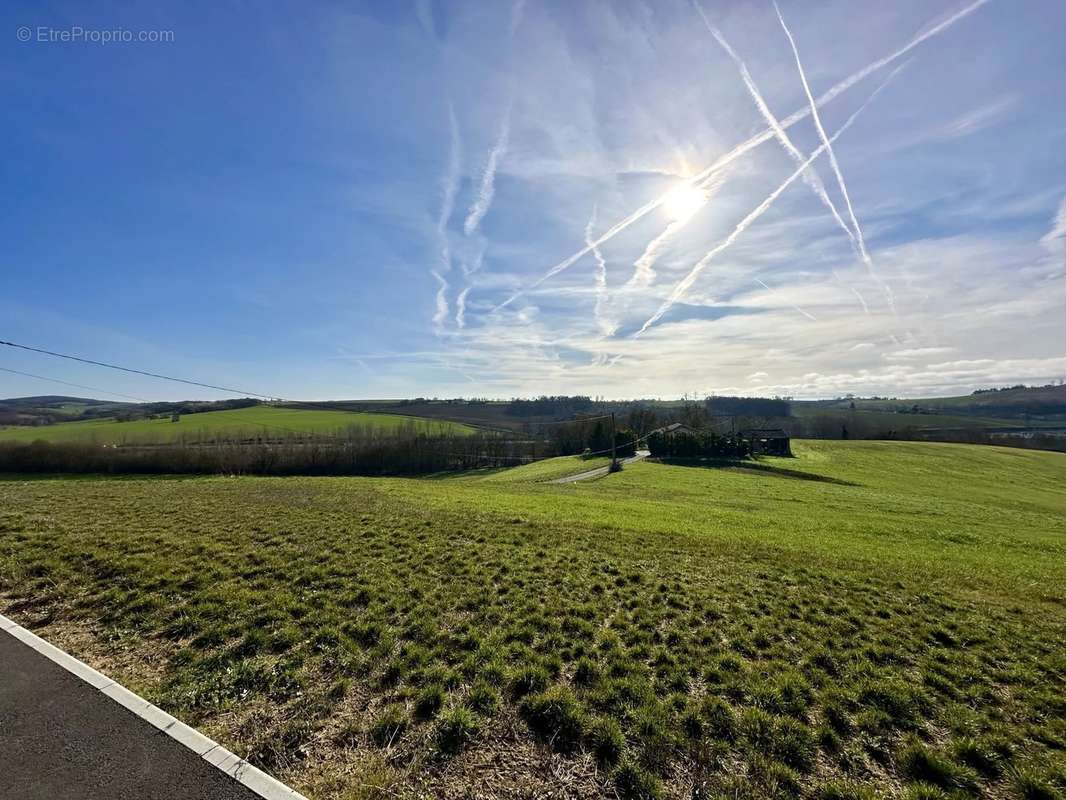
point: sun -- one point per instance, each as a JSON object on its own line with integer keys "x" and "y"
{"x": 683, "y": 201}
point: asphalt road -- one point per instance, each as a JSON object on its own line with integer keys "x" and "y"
{"x": 599, "y": 472}
{"x": 61, "y": 739}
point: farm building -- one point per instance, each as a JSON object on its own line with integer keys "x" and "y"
{"x": 677, "y": 428}
{"x": 768, "y": 441}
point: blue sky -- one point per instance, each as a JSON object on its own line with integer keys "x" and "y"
{"x": 342, "y": 200}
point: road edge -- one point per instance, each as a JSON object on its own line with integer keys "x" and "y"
{"x": 252, "y": 778}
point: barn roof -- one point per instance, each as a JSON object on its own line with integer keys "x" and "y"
{"x": 674, "y": 427}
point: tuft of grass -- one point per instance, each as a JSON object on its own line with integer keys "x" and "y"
{"x": 556, "y": 717}
{"x": 634, "y": 783}
{"x": 483, "y": 698}
{"x": 375, "y": 779}
{"x": 845, "y": 790}
{"x": 919, "y": 763}
{"x": 389, "y": 726}
{"x": 987, "y": 755}
{"x": 529, "y": 679}
{"x": 586, "y": 673}
{"x": 1032, "y": 783}
{"x": 429, "y": 700}
{"x": 604, "y": 739}
{"x": 456, "y": 727}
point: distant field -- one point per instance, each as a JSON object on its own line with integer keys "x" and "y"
{"x": 256, "y": 421}
{"x": 668, "y": 631}
{"x": 1038, "y": 406}
{"x": 894, "y": 420}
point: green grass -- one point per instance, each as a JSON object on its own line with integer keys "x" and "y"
{"x": 548, "y": 470}
{"x": 241, "y": 423}
{"x": 749, "y": 633}
{"x": 867, "y": 413}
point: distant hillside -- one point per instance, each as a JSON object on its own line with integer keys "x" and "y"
{"x": 1014, "y": 403}
{"x": 53, "y": 409}
{"x": 48, "y": 409}
{"x": 259, "y": 422}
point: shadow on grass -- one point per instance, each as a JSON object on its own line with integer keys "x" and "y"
{"x": 753, "y": 466}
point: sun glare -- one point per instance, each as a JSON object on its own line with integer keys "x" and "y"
{"x": 683, "y": 202}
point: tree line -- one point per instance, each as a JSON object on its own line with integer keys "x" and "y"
{"x": 368, "y": 453}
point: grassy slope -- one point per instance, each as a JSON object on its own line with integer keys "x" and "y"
{"x": 753, "y": 633}
{"x": 547, "y": 470}
{"x": 987, "y": 409}
{"x": 897, "y": 420}
{"x": 236, "y": 423}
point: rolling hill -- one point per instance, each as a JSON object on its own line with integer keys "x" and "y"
{"x": 258, "y": 421}
{"x": 754, "y": 634}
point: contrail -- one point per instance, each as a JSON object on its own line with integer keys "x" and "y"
{"x": 460, "y": 308}
{"x": 600, "y": 310}
{"x": 644, "y": 267}
{"x": 487, "y": 190}
{"x": 450, "y": 185}
{"x": 810, "y": 177}
{"x": 748, "y": 145}
{"x": 854, "y": 291}
{"x": 474, "y": 265}
{"x": 488, "y": 178}
{"x": 861, "y": 299}
{"x": 517, "y": 11}
{"x": 860, "y": 241}
{"x": 793, "y": 306}
{"x": 686, "y": 282}
{"x": 442, "y": 300}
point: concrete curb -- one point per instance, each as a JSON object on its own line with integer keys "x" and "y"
{"x": 252, "y": 778}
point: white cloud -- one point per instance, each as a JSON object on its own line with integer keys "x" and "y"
{"x": 1055, "y": 239}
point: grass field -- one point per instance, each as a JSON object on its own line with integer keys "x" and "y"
{"x": 867, "y": 412}
{"x": 667, "y": 631}
{"x": 241, "y": 423}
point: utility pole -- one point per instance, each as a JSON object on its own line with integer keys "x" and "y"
{"x": 614, "y": 446}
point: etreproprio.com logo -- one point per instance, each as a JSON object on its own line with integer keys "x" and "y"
{"x": 76, "y": 34}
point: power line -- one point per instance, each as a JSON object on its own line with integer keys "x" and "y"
{"x": 135, "y": 371}
{"x": 322, "y": 404}
{"x": 75, "y": 385}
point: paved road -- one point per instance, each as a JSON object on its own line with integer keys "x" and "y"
{"x": 599, "y": 472}
{"x": 60, "y": 739}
